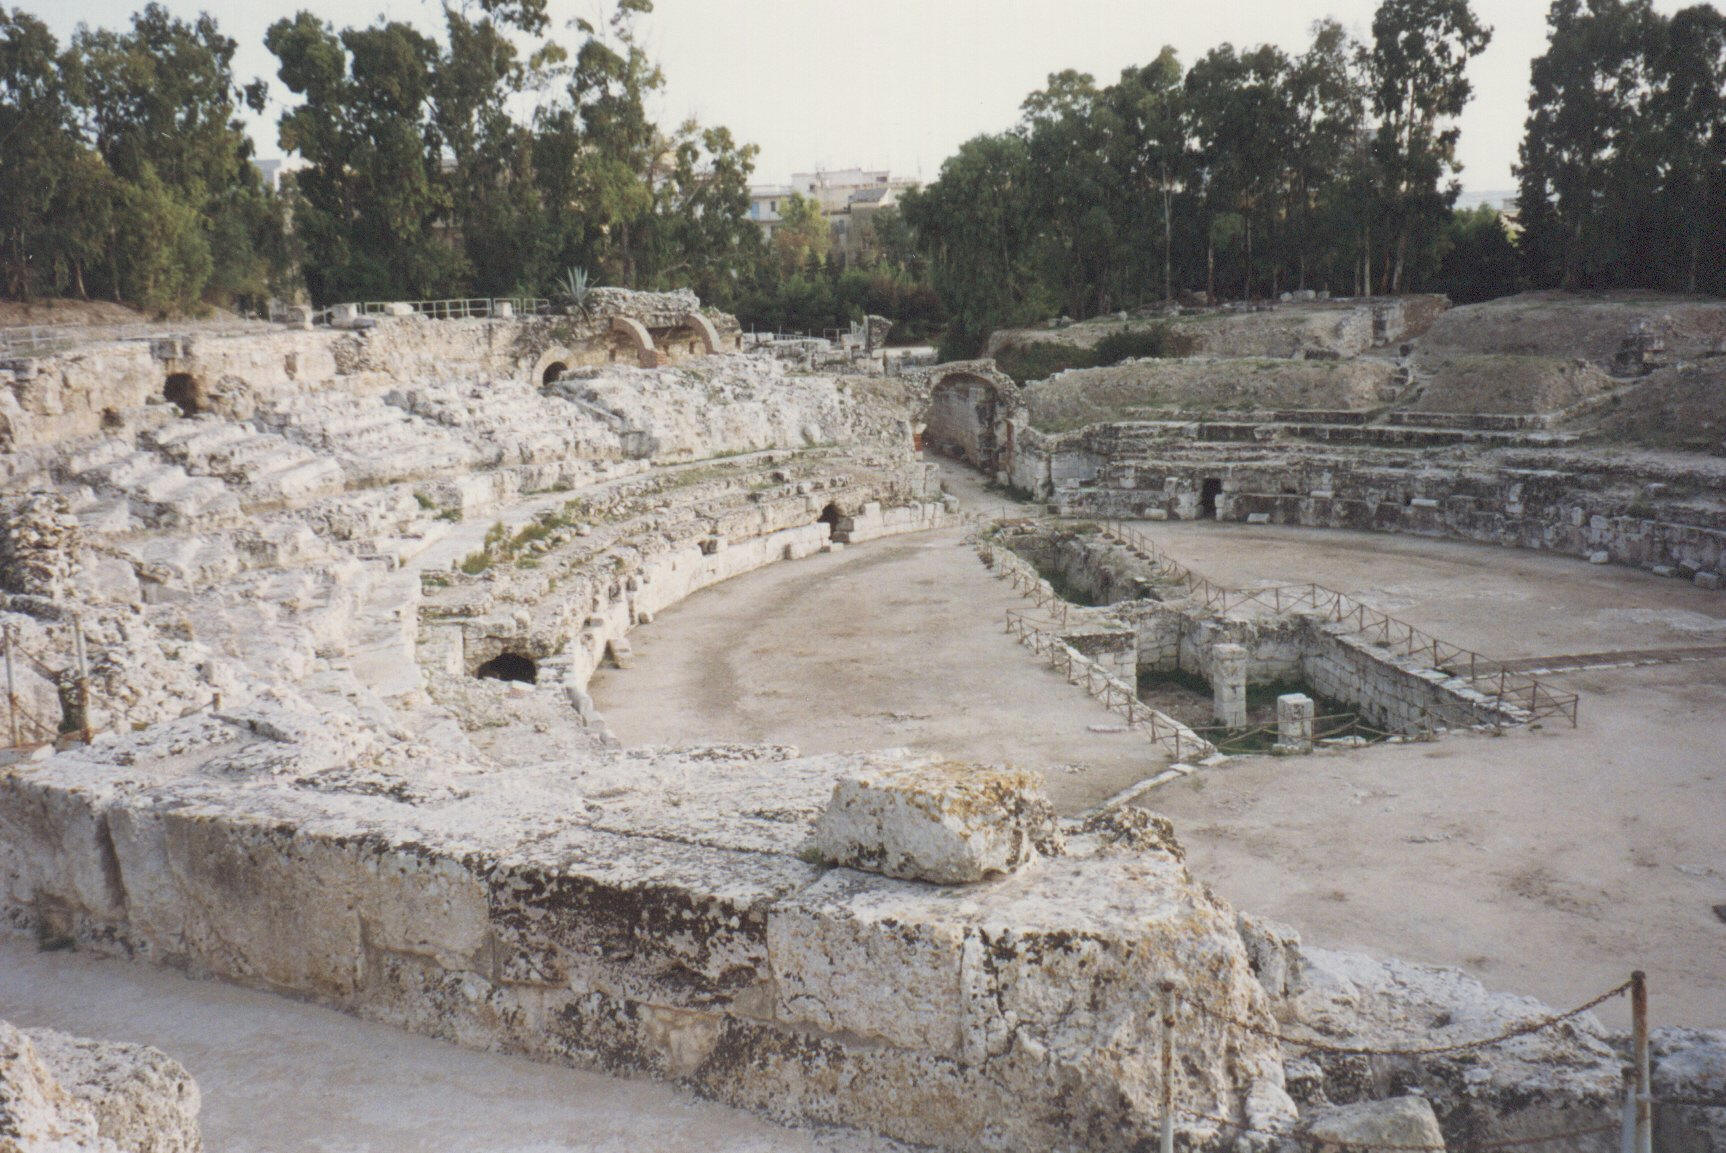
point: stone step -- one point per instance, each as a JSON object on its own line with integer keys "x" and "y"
{"x": 127, "y": 472}
{"x": 300, "y": 479}
{"x": 198, "y": 499}
{"x": 104, "y": 452}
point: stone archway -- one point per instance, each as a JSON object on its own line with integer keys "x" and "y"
{"x": 635, "y": 335}
{"x": 552, "y": 366}
{"x": 970, "y": 406}
{"x": 706, "y": 336}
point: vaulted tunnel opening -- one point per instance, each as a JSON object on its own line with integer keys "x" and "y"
{"x": 829, "y": 516}
{"x": 509, "y": 667}
{"x": 553, "y": 373}
{"x": 183, "y": 391}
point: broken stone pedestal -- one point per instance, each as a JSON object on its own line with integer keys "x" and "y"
{"x": 1229, "y": 685}
{"x": 940, "y": 821}
{"x": 1294, "y": 724}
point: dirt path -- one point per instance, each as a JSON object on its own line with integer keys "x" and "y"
{"x": 895, "y": 642}
{"x": 1548, "y": 862}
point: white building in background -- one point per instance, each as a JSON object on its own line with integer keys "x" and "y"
{"x": 847, "y": 196}
{"x": 273, "y": 169}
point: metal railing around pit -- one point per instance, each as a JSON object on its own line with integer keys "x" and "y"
{"x": 1117, "y": 696}
{"x": 1504, "y": 689}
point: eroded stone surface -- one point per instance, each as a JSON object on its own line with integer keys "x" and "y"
{"x": 144, "y": 1101}
{"x": 65, "y": 1093}
{"x": 1689, "y": 1065}
{"x": 937, "y": 821}
{"x": 1550, "y": 1081}
{"x": 1405, "y": 1121}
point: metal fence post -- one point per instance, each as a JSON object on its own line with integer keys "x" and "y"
{"x": 1639, "y": 1049}
{"x": 84, "y": 729}
{"x": 11, "y": 688}
{"x": 1167, "y": 1143}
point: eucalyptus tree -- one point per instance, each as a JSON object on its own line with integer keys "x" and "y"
{"x": 1418, "y": 68}
{"x": 1589, "y": 97}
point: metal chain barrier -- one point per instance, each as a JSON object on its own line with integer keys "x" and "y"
{"x": 1376, "y": 1147}
{"x": 1522, "y": 1030}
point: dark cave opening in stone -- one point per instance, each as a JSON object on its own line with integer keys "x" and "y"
{"x": 509, "y": 667}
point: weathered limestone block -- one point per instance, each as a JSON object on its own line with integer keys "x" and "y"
{"x": 245, "y": 897}
{"x": 36, "y": 1111}
{"x": 1690, "y": 1064}
{"x": 143, "y": 1100}
{"x": 1229, "y": 684}
{"x": 56, "y": 854}
{"x": 1550, "y": 1081}
{"x": 1275, "y": 952}
{"x": 1031, "y": 999}
{"x": 1294, "y": 723}
{"x": 1398, "y": 1121}
{"x": 639, "y": 917}
{"x": 940, "y": 821}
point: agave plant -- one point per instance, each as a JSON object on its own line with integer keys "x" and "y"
{"x": 573, "y": 290}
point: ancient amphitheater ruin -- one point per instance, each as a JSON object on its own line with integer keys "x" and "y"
{"x": 1075, "y": 783}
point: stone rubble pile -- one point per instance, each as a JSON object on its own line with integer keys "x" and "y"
{"x": 76, "y": 1095}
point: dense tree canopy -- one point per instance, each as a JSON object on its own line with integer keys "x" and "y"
{"x": 1248, "y": 174}
{"x": 125, "y": 172}
{"x": 495, "y": 152}
{"x": 1623, "y": 173}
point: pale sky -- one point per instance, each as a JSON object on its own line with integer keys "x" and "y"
{"x": 900, "y": 84}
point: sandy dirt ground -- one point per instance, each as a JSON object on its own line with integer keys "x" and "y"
{"x": 1549, "y": 862}
{"x": 280, "y": 1076}
{"x": 897, "y": 642}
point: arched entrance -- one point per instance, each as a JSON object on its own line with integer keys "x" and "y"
{"x": 553, "y": 373}
{"x": 969, "y": 407}
{"x": 509, "y": 667}
{"x": 830, "y": 516}
{"x": 183, "y": 391}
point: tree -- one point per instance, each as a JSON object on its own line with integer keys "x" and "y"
{"x": 159, "y": 104}
{"x": 495, "y": 200}
{"x": 802, "y": 232}
{"x": 1328, "y": 98}
{"x": 1688, "y": 112}
{"x": 37, "y": 130}
{"x": 375, "y": 210}
{"x": 1418, "y": 65}
{"x": 1147, "y": 104}
{"x": 1244, "y": 123}
{"x": 1479, "y": 260}
{"x": 976, "y": 225}
{"x": 1589, "y": 91}
{"x": 621, "y": 149}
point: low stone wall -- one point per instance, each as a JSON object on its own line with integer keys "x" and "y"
{"x": 671, "y": 576}
{"x": 577, "y": 914}
{"x": 1391, "y": 693}
{"x": 1646, "y": 514}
